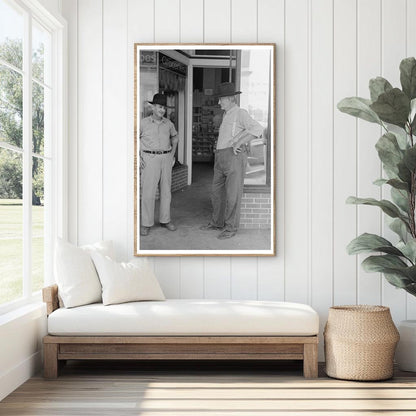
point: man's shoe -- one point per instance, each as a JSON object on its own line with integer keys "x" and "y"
{"x": 209, "y": 227}
{"x": 168, "y": 225}
{"x": 144, "y": 231}
{"x": 226, "y": 234}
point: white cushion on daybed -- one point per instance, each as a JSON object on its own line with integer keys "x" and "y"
{"x": 187, "y": 317}
{"x": 75, "y": 273}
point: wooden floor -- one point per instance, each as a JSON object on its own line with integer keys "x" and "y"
{"x": 223, "y": 389}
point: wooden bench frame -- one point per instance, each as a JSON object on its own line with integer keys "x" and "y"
{"x": 58, "y": 349}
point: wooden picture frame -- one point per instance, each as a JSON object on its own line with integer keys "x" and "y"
{"x": 189, "y": 77}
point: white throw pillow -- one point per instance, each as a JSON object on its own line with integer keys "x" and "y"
{"x": 75, "y": 273}
{"x": 126, "y": 282}
{"x": 103, "y": 247}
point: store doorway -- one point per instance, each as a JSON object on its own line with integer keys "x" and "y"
{"x": 206, "y": 119}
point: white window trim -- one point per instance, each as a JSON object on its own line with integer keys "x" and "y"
{"x": 59, "y": 146}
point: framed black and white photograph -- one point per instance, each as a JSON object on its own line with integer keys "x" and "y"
{"x": 204, "y": 131}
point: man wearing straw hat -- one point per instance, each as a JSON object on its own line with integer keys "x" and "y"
{"x": 158, "y": 142}
{"x": 236, "y": 130}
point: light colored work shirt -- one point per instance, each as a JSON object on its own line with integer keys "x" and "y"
{"x": 156, "y": 135}
{"x": 236, "y": 121}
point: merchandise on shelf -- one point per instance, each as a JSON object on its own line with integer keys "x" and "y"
{"x": 206, "y": 119}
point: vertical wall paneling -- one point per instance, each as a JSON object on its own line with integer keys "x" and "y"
{"x": 244, "y": 29}
{"x": 271, "y": 28}
{"x": 411, "y": 51}
{"x": 393, "y": 51}
{"x": 345, "y": 151}
{"x": 115, "y": 51}
{"x": 244, "y": 21}
{"x": 217, "y": 28}
{"x": 217, "y": 19}
{"x": 192, "y": 30}
{"x": 244, "y": 278}
{"x": 140, "y": 30}
{"x": 90, "y": 128}
{"x": 321, "y": 148}
{"x": 326, "y": 50}
{"x": 217, "y": 278}
{"x": 368, "y": 162}
{"x": 192, "y": 21}
{"x": 167, "y": 15}
{"x": 140, "y": 21}
{"x": 192, "y": 278}
{"x": 411, "y": 28}
{"x": 168, "y": 272}
{"x": 70, "y": 11}
{"x": 296, "y": 152}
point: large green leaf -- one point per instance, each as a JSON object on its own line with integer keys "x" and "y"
{"x": 410, "y": 272}
{"x": 391, "y": 174}
{"x": 366, "y": 243}
{"x": 389, "y": 151}
{"x": 408, "y": 77}
{"x": 412, "y": 115}
{"x": 404, "y": 173}
{"x": 410, "y": 158}
{"x": 408, "y": 249}
{"x": 400, "y": 228}
{"x": 400, "y": 198}
{"x": 407, "y": 273}
{"x": 378, "y": 86}
{"x": 395, "y": 183}
{"x": 385, "y": 262}
{"x": 401, "y": 137}
{"x": 388, "y": 207}
{"x": 394, "y": 269}
{"x": 411, "y": 289}
{"x": 359, "y": 107}
{"x": 380, "y": 182}
{"x": 392, "y": 107}
{"x": 397, "y": 280}
{"x": 398, "y": 184}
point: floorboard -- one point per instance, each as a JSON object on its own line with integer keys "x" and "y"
{"x": 206, "y": 388}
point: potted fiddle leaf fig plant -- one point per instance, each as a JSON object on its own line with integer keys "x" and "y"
{"x": 394, "y": 109}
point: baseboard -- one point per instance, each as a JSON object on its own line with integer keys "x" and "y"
{"x": 10, "y": 380}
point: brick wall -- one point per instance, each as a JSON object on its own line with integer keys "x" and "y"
{"x": 256, "y": 211}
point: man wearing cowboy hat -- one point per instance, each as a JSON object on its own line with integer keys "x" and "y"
{"x": 158, "y": 142}
{"x": 236, "y": 130}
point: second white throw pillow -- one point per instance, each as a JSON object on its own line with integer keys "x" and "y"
{"x": 126, "y": 282}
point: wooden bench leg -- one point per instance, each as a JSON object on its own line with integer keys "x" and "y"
{"x": 50, "y": 360}
{"x": 310, "y": 360}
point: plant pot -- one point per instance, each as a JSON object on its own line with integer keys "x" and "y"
{"x": 360, "y": 341}
{"x": 406, "y": 349}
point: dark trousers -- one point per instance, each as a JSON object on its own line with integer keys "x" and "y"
{"x": 227, "y": 188}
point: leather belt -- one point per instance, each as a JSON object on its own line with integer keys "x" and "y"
{"x": 156, "y": 152}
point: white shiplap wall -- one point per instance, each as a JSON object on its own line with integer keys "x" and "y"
{"x": 326, "y": 50}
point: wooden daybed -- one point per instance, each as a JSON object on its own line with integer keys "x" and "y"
{"x": 59, "y": 348}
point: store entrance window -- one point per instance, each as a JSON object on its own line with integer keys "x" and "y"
{"x": 255, "y": 85}
{"x": 206, "y": 117}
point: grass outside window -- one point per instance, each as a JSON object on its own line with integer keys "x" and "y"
{"x": 11, "y": 249}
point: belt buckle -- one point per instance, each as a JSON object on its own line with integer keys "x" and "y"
{"x": 158, "y": 152}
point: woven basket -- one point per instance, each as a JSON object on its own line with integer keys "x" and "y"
{"x": 360, "y": 341}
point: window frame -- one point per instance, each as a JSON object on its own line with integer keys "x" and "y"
{"x": 57, "y": 210}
